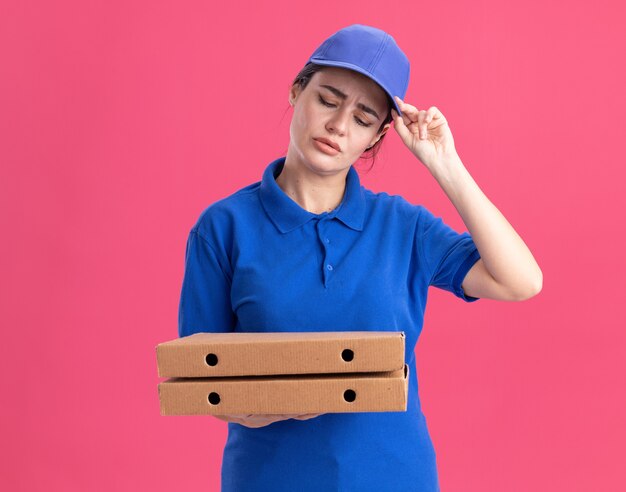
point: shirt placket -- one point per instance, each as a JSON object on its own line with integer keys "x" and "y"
{"x": 328, "y": 263}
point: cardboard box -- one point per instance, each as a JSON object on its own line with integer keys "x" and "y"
{"x": 288, "y": 394}
{"x": 256, "y": 354}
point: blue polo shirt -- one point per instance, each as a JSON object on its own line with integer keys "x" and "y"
{"x": 256, "y": 261}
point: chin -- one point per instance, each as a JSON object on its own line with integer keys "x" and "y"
{"x": 322, "y": 162}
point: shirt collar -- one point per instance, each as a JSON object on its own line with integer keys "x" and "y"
{"x": 287, "y": 215}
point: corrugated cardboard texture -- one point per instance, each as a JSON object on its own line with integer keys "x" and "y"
{"x": 255, "y": 354}
{"x": 296, "y": 394}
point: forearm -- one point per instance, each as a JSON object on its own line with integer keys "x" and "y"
{"x": 504, "y": 254}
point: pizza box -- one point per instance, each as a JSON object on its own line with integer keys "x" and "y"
{"x": 275, "y": 353}
{"x": 286, "y": 394}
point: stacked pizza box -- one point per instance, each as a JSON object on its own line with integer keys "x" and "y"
{"x": 283, "y": 373}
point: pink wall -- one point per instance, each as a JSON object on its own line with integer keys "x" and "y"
{"x": 121, "y": 121}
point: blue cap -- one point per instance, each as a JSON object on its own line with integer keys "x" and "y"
{"x": 370, "y": 51}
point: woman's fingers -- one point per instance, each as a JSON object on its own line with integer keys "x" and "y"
{"x": 261, "y": 420}
{"x": 307, "y": 416}
{"x": 421, "y": 117}
{"x": 425, "y": 117}
{"x": 413, "y": 115}
{"x": 409, "y": 112}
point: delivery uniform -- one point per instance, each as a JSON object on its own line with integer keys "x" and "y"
{"x": 258, "y": 262}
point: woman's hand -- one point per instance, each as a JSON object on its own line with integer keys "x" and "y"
{"x": 255, "y": 421}
{"x": 426, "y": 133}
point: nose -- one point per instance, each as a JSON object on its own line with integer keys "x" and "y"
{"x": 338, "y": 121}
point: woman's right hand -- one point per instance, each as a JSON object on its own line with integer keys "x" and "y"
{"x": 255, "y": 421}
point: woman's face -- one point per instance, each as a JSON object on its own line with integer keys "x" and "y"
{"x": 342, "y": 106}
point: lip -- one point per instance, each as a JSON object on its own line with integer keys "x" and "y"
{"x": 325, "y": 148}
{"x": 330, "y": 143}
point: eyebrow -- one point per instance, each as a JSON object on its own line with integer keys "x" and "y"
{"x": 340, "y": 94}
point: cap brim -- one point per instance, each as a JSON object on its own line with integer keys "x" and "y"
{"x": 356, "y": 68}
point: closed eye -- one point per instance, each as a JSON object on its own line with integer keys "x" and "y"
{"x": 329, "y": 105}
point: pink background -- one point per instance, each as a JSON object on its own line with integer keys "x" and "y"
{"x": 121, "y": 121}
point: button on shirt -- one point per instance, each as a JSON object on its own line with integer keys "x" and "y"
{"x": 256, "y": 261}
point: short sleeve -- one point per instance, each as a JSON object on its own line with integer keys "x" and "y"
{"x": 448, "y": 255}
{"x": 205, "y": 304}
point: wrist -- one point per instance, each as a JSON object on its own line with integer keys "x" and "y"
{"x": 446, "y": 167}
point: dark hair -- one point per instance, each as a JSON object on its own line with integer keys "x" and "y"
{"x": 304, "y": 77}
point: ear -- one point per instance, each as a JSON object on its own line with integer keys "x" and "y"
{"x": 294, "y": 92}
{"x": 379, "y": 135}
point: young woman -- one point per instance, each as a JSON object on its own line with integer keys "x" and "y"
{"x": 308, "y": 248}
